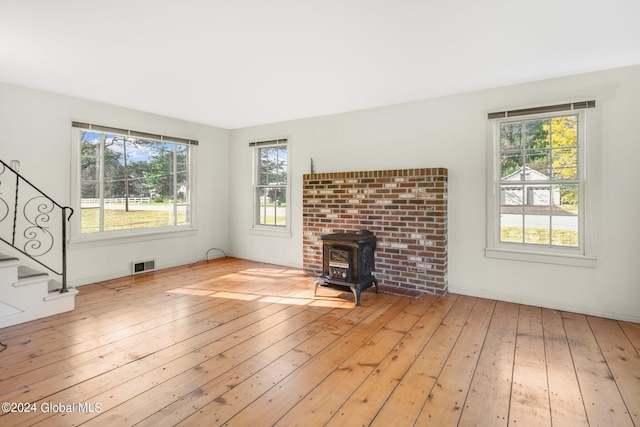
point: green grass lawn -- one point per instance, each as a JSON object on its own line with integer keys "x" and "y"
{"x": 271, "y": 214}
{"x": 539, "y": 236}
{"x": 115, "y": 219}
{"x": 273, "y": 220}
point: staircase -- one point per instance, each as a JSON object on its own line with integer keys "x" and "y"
{"x": 32, "y": 234}
{"x": 28, "y": 294}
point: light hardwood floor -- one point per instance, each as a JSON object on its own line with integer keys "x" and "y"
{"x": 246, "y": 344}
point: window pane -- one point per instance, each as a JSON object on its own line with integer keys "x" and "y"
{"x": 182, "y": 166}
{"x": 90, "y": 169}
{"x": 271, "y": 202}
{"x": 272, "y": 169}
{"x": 90, "y": 193}
{"x": 537, "y": 134}
{"x": 280, "y": 203}
{"x": 511, "y": 225}
{"x": 266, "y": 165}
{"x": 90, "y": 220}
{"x": 145, "y": 182}
{"x": 511, "y": 195}
{"x": 537, "y": 165}
{"x": 159, "y": 174}
{"x": 511, "y": 166}
{"x": 137, "y": 162}
{"x": 565, "y": 163}
{"x": 113, "y": 166}
{"x": 539, "y": 196}
{"x": 182, "y": 182}
{"x": 511, "y": 213}
{"x": 537, "y": 211}
{"x": 90, "y": 143}
{"x": 511, "y": 136}
{"x": 282, "y": 165}
{"x": 262, "y": 202}
{"x": 90, "y": 208}
{"x": 565, "y": 217}
{"x": 564, "y": 131}
{"x": 536, "y": 226}
{"x": 184, "y": 214}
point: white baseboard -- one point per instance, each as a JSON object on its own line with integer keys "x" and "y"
{"x": 627, "y": 316}
{"x": 267, "y": 260}
{"x": 87, "y": 280}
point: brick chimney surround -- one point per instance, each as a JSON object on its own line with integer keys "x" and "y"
{"x": 405, "y": 209}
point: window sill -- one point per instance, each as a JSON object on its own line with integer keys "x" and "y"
{"x": 106, "y": 239}
{"x": 258, "y": 231}
{"x": 542, "y": 257}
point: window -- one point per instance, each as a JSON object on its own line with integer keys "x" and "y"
{"x": 271, "y": 189}
{"x": 538, "y": 181}
{"x": 130, "y": 181}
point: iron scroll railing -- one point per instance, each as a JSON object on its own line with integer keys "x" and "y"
{"x": 28, "y": 219}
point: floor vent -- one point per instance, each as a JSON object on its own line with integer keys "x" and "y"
{"x": 143, "y": 266}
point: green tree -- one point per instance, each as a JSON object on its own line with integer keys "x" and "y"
{"x": 548, "y": 146}
{"x": 564, "y": 155}
{"x": 137, "y": 172}
{"x": 161, "y": 170}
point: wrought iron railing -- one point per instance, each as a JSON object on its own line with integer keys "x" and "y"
{"x": 28, "y": 219}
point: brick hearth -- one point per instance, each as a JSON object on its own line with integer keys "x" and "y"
{"x": 405, "y": 209}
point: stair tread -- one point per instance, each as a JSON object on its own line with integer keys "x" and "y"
{"x": 54, "y": 286}
{"x": 4, "y": 257}
{"x": 27, "y": 272}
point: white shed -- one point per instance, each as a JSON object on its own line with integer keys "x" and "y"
{"x": 529, "y": 194}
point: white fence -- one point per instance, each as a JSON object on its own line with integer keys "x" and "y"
{"x": 115, "y": 200}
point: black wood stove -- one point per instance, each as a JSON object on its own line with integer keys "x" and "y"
{"x": 347, "y": 261}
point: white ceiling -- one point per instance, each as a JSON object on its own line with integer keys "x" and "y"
{"x": 236, "y": 63}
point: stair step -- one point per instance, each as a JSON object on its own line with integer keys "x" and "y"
{"x": 28, "y": 272}
{"x": 53, "y": 296}
{"x": 54, "y": 286}
{"x": 4, "y": 258}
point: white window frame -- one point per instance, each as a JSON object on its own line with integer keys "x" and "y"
{"x": 266, "y": 229}
{"x": 132, "y": 234}
{"x": 584, "y": 255}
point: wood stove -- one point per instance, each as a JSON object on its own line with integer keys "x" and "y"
{"x": 348, "y": 261}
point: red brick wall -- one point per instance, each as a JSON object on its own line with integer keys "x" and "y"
{"x": 405, "y": 209}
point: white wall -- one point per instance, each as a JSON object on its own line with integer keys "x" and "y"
{"x": 451, "y": 132}
{"x": 35, "y": 128}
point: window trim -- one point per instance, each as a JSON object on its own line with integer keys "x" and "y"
{"x": 264, "y": 229}
{"x": 584, "y": 255}
{"x": 77, "y": 238}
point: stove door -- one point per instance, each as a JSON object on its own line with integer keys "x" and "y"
{"x": 340, "y": 263}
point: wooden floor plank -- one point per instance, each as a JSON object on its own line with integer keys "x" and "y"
{"x": 240, "y": 372}
{"x": 238, "y": 326}
{"x": 567, "y": 406}
{"x": 324, "y": 401}
{"x": 238, "y": 342}
{"x": 77, "y": 340}
{"x": 448, "y": 395}
{"x": 530, "y": 388}
{"x": 487, "y": 403}
{"x": 603, "y": 403}
{"x": 133, "y": 408}
{"x": 135, "y": 294}
{"x": 99, "y": 381}
{"x": 106, "y": 355}
{"x": 363, "y": 405}
{"x": 276, "y": 403}
{"x": 632, "y": 331}
{"x": 621, "y": 359}
{"x": 406, "y": 402}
